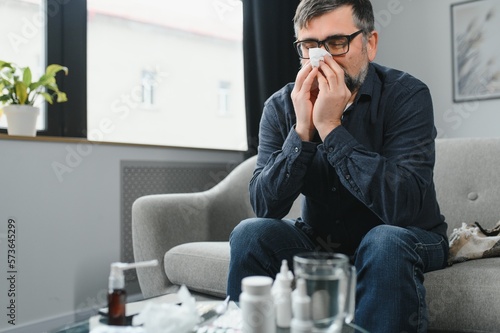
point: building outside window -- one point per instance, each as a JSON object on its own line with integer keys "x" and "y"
{"x": 159, "y": 73}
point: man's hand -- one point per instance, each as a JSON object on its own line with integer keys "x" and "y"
{"x": 332, "y": 98}
{"x": 319, "y": 97}
{"x": 303, "y": 97}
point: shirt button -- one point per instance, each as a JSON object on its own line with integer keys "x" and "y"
{"x": 287, "y": 175}
{"x": 296, "y": 149}
{"x": 348, "y": 176}
{"x": 473, "y": 196}
{"x": 334, "y": 189}
{"x": 330, "y": 150}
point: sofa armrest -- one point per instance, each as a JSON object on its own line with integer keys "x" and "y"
{"x": 160, "y": 222}
{"x": 163, "y": 221}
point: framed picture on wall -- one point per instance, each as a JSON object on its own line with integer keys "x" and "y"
{"x": 475, "y": 29}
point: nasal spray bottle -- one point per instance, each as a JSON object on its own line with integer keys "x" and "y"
{"x": 117, "y": 296}
{"x": 282, "y": 295}
{"x": 301, "y": 306}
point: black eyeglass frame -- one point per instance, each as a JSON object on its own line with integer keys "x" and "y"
{"x": 323, "y": 42}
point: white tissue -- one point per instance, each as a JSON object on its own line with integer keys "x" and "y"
{"x": 316, "y": 55}
{"x": 168, "y": 317}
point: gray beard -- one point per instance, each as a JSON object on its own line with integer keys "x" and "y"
{"x": 353, "y": 83}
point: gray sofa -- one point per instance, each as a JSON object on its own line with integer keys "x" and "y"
{"x": 189, "y": 233}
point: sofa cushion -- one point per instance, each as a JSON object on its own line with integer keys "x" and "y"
{"x": 201, "y": 266}
{"x": 464, "y": 297}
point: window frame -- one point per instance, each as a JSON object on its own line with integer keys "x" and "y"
{"x": 66, "y": 44}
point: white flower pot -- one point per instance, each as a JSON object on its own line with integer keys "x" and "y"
{"x": 21, "y": 119}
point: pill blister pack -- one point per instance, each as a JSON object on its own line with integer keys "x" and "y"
{"x": 229, "y": 322}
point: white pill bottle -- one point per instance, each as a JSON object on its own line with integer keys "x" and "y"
{"x": 257, "y": 306}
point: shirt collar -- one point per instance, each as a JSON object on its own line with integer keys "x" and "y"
{"x": 368, "y": 89}
{"x": 368, "y": 85}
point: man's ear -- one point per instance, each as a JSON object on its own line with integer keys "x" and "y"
{"x": 371, "y": 46}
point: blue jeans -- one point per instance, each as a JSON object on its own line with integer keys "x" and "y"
{"x": 390, "y": 262}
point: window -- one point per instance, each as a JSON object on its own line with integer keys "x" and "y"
{"x": 160, "y": 72}
{"x": 22, "y": 41}
{"x": 166, "y": 72}
{"x": 224, "y": 93}
{"x": 148, "y": 86}
{"x": 40, "y": 32}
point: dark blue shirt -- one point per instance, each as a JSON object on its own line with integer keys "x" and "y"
{"x": 377, "y": 167}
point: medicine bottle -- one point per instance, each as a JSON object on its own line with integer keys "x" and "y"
{"x": 282, "y": 296}
{"x": 257, "y": 306}
{"x": 301, "y": 305}
{"x": 117, "y": 295}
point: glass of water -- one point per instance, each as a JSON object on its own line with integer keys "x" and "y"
{"x": 331, "y": 284}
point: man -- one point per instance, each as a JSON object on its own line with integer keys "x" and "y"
{"x": 357, "y": 140}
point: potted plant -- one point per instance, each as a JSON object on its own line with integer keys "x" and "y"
{"x": 19, "y": 93}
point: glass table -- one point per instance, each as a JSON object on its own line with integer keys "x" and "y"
{"x": 83, "y": 327}
{"x": 231, "y": 313}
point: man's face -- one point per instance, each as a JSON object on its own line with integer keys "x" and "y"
{"x": 340, "y": 22}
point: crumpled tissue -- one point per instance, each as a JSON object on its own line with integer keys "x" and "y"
{"x": 316, "y": 55}
{"x": 169, "y": 318}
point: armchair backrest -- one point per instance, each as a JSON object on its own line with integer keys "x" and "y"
{"x": 467, "y": 179}
{"x": 233, "y": 192}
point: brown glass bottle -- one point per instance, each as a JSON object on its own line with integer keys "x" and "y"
{"x": 116, "y": 307}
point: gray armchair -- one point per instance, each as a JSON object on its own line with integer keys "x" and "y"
{"x": 200, "y": 223}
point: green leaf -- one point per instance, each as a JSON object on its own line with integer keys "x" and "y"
{"x": 46, "y": 81}
{"x": 5, "y": 64}
{"x": 61, "y": 97}
{"x": 6, "y": 74}
{"x": 21, "y": 92}
{"x": 47, "y": 97}
{"x": 41, "y": 81}
{"x": 50, "y": 83}
{"x": 27, "y": 76}
{"x": 53, "y": 69}
{"x": 33, "y": 86}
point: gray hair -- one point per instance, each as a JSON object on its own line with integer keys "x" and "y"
{"x": 310, "y": 9}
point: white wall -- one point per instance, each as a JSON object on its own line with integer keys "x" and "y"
{"x": 68, "y": 224}
{"x": 415, "y": 36}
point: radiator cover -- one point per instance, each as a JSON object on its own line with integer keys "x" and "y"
{"x": 139, "y": 178}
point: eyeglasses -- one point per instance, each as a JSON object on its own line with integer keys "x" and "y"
{"x": 335, "y": 45}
